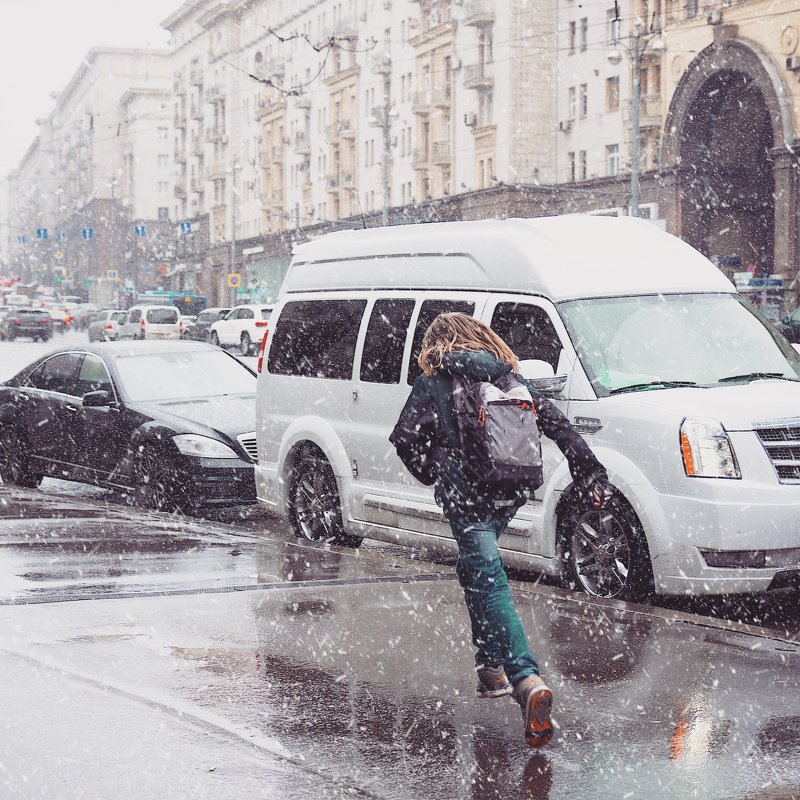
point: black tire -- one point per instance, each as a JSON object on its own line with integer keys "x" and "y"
{"x": 246, "y": 344}
{"x": 605, "y": 551}
{"x": 314, "y": 507}
{"x": 160, "y": 484}
{"x": 13, "y": 468}
{"x": 46, "y": 337}
{"x": 11, "y": 337}
{"x": 214, "y": 339}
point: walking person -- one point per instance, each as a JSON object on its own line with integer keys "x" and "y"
{"x": 458, "y": 347}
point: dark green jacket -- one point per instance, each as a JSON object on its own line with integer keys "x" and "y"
{"x": 427, "y": 440}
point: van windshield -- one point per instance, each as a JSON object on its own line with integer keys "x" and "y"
{"x": 659, "y": 341}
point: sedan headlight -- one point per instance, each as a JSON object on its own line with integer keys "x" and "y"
{"x": 707, "y": 450}
{"x": 202, "y": 446}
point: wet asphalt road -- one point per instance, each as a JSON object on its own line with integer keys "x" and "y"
{"x": 145, "y": 655}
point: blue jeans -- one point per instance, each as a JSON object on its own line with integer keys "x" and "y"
{"x": 497, "y": 631}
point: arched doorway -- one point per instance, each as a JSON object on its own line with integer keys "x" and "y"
{"x": 727, "y": 117}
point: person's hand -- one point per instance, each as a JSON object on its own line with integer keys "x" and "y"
{"x": 601, "y": 491}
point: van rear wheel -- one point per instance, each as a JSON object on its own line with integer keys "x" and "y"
{"x": 314, "y": 507}
{"x": 604, "y": 550}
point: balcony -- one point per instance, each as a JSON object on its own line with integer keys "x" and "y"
{"x": 345, "y": 28}
{"x": 302, "y": 146}
{"x": 196, "y": 75}
{"x": 304, "y": 102}
{"x": 442, "y": 97}
{"x": 478, "y": 12}
{"x": 478, "y": 76}
{"x": 650, "y": 111}
{"x": 421, "y": 104}
{"x": 440, "y": 153}
{"x": 382, "y": 65}
{"x": 197, "y": 185}
{"x": 346, "y": 129}
{"x": 420, "y": 158}
{"x": 216, "y": 171}
{"x": 216, "y": 134}
{"x": 180, "y": 155}
{"x": 180, "y": 189}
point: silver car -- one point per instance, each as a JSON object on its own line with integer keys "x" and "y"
{"x": 104, "y": 325}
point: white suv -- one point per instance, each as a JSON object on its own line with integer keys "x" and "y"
{"x": 244, "y": 327}
{"x": 151, "y": 322}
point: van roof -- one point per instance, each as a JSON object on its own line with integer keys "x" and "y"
{"x": 566, "y": 257}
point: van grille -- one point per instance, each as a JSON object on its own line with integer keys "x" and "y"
{"x": 248, "y": 442}
{"x": 779, "y": 442}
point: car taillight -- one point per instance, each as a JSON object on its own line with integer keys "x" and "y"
{"x": 141, "y": 326}
{"x": 262, "y": 323}
{"x": 109, "y": 327}
{"x": 261, "y": 351}
{"x": 14, "y": 320}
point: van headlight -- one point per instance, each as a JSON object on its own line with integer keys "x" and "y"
{"x": 191, "y": 444}
{"x": 706, "y": 449}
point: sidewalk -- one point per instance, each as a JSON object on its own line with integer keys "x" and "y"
{"x": 362, "y": 685}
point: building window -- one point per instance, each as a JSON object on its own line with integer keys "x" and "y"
{"x": 612, "y": 93}
{"x": 582, "y": 165}
{"x": 571, "y": 167}
{"x": 163, "y": 160}
{"x": 584, "y": 33}
{"x": 163, "y": 213}
{"x": 655, "y": 80}
{"x": 691, "y": 9}
{"x": 163, "y": 133}
{"x": 571, "y": 103}
{"x": 584, "y": 103}
{"x": 572, "y": 32}
{"x": 163, "y": 187}
{"x": 612, "y": 159}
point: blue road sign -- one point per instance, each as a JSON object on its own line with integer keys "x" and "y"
{"x": 22, "y": 239}
{"x": 61, "y": 236}
{"x": 88, "y": 233}
{"x": 186, "y": 227}
{"x": 139, "y": 230}
{"x": 41, "y": 233}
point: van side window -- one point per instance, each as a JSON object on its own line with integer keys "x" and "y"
{"x": 316, "y": 338}
{"x": 528, "y": 331}
{"x": 427, "y": 314}
{"x": 382, "y": 359}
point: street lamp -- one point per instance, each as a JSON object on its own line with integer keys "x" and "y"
{"x": 232, "y": 170}
{"x": 635, "y": 52}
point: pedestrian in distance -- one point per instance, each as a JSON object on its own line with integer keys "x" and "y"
{"x": 469, "y": 375}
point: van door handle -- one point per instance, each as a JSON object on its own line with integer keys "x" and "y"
{"x": 24, "y": 397}
{"x": 72, "y": 409}
{"x": 355, "y": 394}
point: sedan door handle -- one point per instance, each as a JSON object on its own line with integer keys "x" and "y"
{"x": 25, "y": 397}
{"x": 72, "y": 409}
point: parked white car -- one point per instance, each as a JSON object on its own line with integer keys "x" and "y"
{"x": 150, "y": 322}
{"x": 687, "y": 395}
{"x": 104, "y": 325}
{"x": 244, "y": 327}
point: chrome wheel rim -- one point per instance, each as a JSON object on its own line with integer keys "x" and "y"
{"x": 245, "y": 345}
{"x": 601, "y": 553}
{"x": 315, "y": 504}
{"x": 155, "y": 476}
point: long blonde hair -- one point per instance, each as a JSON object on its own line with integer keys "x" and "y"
{"x": 455, "y": 331}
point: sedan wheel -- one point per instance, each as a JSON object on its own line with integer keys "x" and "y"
{"x": 160, "y": 484}
{"x": 606, "y": 553}
{"x": 214, "y": 339}
{"x": 315, "y": 509}
{"x": 12, "y": 469}
{"x": 246, "y": 345}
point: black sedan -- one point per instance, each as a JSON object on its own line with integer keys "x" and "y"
{"x": 201, "y": 328}
{"x": 171, "y": 423}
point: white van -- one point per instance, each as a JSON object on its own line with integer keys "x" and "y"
{"x": 150, "y": 322}
{"x": 685, "y": 393}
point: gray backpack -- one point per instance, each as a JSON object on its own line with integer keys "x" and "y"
{"x": 498, "y": 433}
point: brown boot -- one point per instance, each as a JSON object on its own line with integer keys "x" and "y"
{"x": 535, "y": 701}
{"x": 492, "y": 682}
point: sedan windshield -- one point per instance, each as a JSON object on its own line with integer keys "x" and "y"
{"x": 182, "y": 376}
{"x": 661, "y": 341}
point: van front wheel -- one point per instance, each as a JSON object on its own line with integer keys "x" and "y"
{"x": 315, "y": 510}
{"x": 604, "y": 550}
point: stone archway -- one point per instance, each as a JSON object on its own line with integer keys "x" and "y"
{"x": 726, "y": 135}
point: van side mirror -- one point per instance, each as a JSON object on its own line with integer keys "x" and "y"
{"x": 541, "y": 375}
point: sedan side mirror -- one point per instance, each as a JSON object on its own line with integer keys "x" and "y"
{"x": 97, "y": 399}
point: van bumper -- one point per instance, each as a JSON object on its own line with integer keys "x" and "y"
{"x": 268, "y": 486}
{"x": 724, "y": 545}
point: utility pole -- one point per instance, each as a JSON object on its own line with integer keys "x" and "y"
{"x": 636, "y": 56}
{"x": 387, "y": 147}
{"x": 234, "y": 168}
